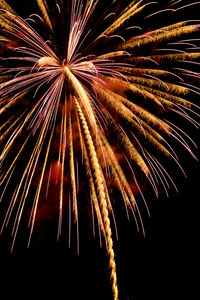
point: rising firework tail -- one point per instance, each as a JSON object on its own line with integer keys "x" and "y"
{"x": 96, "y": 96}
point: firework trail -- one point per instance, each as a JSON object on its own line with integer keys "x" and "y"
{"x": 86, "y": 103}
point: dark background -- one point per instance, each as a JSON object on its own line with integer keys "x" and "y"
{"x": 161, "y": 265}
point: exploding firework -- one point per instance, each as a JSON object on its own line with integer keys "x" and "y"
{"x": 89, "y": 103}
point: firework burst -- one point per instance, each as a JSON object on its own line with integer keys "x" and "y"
{"x": 88, "y": 102}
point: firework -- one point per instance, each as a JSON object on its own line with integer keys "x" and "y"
{"x": 86, "y": 103}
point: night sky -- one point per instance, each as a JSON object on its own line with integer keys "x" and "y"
{"x": 161, "y": 265}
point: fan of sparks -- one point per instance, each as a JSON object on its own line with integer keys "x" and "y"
{"x": 91, "y": 95}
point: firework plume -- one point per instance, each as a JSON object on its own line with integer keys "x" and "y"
{"x": 89, "y": 101}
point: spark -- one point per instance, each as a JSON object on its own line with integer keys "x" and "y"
{"x": 92, "y": 99}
